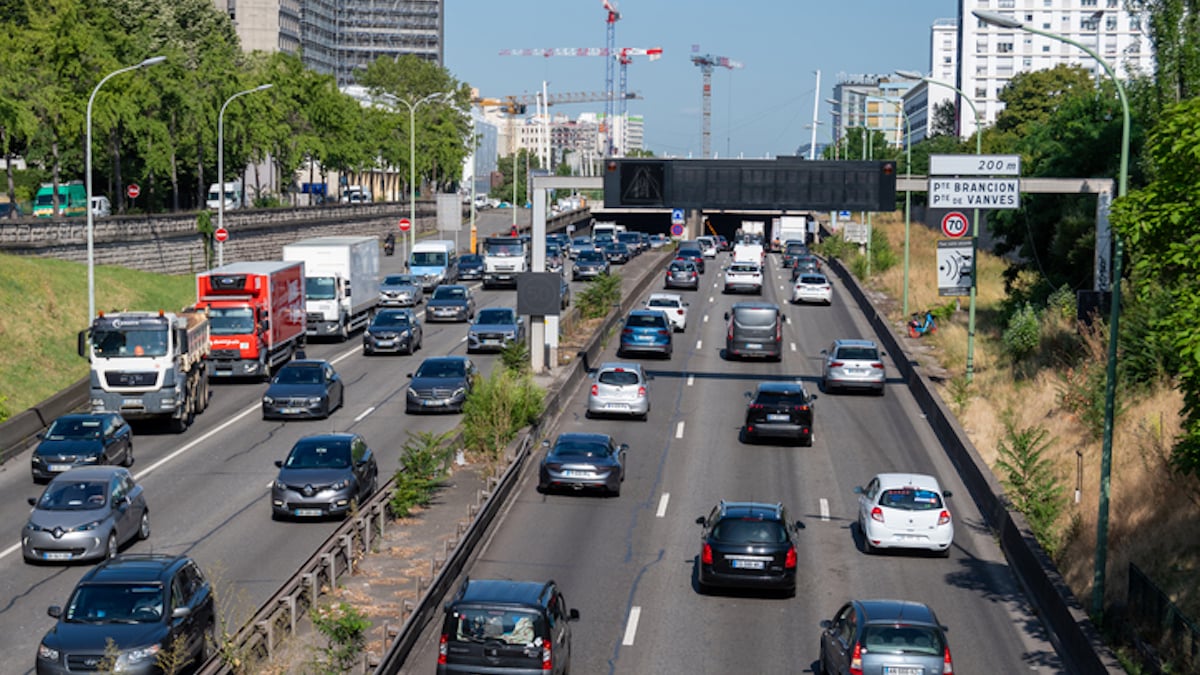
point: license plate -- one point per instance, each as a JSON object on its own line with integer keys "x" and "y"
{"x": 132, "y": 401}
{"x": 747, "y": 564}
{"x": 645, "y": 338}
{"x": 753, "y": 345}
{"x": 857, "y": 371}
{"x": 56, "y": 555}
{"x": 577, "y": 474}
{"x": 616, "y": 406}
{"x": 386, "y": 343}
{"x": 289, "y": 411}
{"x": 903, "y": 670}
{"x": 433, "y": 404}
{"x": 307, "y": 512}
{"x": 777, "y": 418}
{"x": 59, "y": 467}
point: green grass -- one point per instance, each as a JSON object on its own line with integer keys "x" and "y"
{"x": 43, "y": 305}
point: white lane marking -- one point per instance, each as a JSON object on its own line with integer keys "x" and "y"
{"x": 662, "y": 505}
{"x": 464, "y": 339}
{"x": 679, "y": 429}
{"x": 705, "y": 318}
{"x": 370, "y": 410}
{"x": 699, "y": 344}
{"x": 9, "y": 551}
{"x": 824, "y": 509}
{"x": 212, "y": 432}
{"x": 691, "y": 380}
{"x": 710, "y": 298}
{"x": 793, "y": 345}
{"x": 635, "y": 613}
{"x": 270, "y": 485}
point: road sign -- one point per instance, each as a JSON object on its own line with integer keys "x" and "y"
{"x": 858, "y": 233}
{"x": 979, "y": 193}
{"x": 954, "y": 224}
{"x": 974, "y": 165}
{"x": 956, "y": 266}
{"x": 405, "y": 223}
{"x": 677, "y": 230}
{"x": 133, "y": 191}
{"x": 843, "y": 214}
{"x": 676, "y": 216}
{"x": 221, "y": 235}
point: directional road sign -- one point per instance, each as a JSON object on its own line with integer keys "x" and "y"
{"x": 979, "y": 193}
{"x": 676, "y": 216}
{"x": 974, "y": 165}
{"x": 843, "y": 214}
{"x": 954, "y": 224}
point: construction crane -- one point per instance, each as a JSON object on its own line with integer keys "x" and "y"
{"x": 707, "y": 62}
{"x": 515, "y": 105}
{"x": 610, "y": 43}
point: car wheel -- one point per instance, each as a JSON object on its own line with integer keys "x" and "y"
{"x": 945, "y": 553}
{"x": 879, "y": 391}
{"x": 144, "y": 527}
{"x": 111, "y": 550}
{"x": 127, "y": 461}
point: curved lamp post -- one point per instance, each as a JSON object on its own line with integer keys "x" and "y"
{"x": 1114, "y": 310}
{"x": 87, "y": 153}
{"x": 221, "y": 165}
{"x": 412, "y": 160}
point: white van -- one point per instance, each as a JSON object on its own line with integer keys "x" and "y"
{"x": 434, "y": 262}
{"x": 101, "y": 207}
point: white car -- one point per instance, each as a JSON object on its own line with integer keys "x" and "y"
{"x": 708, "y": 246}
{"x": 905, "y": 510}
{"x": 744, "y": 276}
{"x": 812, "y": 287}
{"x": 673, "y": 306}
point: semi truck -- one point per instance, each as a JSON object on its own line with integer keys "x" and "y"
{"x": 755, "y": 230}
{"x": 504, "y": 259}
{"x": 148, "y": 365}
{"x": 793, "y": 228}
{"x": 341, "y": 283}
{"x": 256, "y": 316}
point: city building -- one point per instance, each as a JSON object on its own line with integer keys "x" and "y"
{"x": 873, "y": 101}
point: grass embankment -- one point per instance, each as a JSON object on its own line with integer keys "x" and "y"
{"x": 43, "y": 306}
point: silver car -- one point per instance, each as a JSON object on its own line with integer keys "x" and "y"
{"x": 400, "y": 290}
{"x": 85, "y": 513}
{"x": 324, "y": 475}
{"x": 854, "y": 364}
{"x": 619, "y": 388}
{"x": 884, "y": 636}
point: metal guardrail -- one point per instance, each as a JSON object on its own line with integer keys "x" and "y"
{"x": 18, "y": 431}
{"x": 1161, "y": 622}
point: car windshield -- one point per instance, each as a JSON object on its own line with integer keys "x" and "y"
{"x": 390, "y": 320}
{"x": 470, "y": 259}
{"x": 320, "y": 288}
{"x": 230, "y": 320}
{"x": 911, "y": 499}
{"x": 477, "y": 624}
{"x": 495, "y": 316}
{"x": 858, "y": 354}
{"x": 572, "y": 448}
{"x": 299, "y": 375}
{"x": 591, "y": 256}
{"x": 774, "y": 398}
{"x": 893, "y": 639}
{"x": 115, "y": 603}
{"x": 618, "y": 377}
{"x": 74, "y": 429}
{"x": 130, "y": 342}
{"x": 428, "y": 259}
{"x": 74, "y": 496}
{"x": 322, "y": 454}
{"x": 644, "y": 321}
{"x": 398, "y": 280}
{"x": 449, "y": 293}
{"x": 749, "y": 531}
{"x": 440, "y": 368}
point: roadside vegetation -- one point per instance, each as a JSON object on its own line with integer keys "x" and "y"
{"x": 599, "y": 296}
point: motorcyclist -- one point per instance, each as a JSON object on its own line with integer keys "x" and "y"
{"x": 389, "y": 243}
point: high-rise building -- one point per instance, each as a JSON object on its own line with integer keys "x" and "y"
{"x": 873, "y": 101}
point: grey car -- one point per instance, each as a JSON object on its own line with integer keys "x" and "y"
{"x": 86, "y": 513}
{"x": 441, "y": 384}
{"x": 494, "y": 328}
{"x": 304, "y": 389}
{"x": 854, "y": 364}
{"x": 619, "y": 388}
{"x": 393, "y": 330}
{"x": 450, "y": 302}
{"x": 583, "y": 461}
{"x": 324, "y": 475}
{"x": 884, "y": 636}
{"x": 400, "y": 290}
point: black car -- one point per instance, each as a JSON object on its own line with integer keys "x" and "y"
{"x": 693, "y": 254}
{"x": 792, "y": 250}
{"x": 470, "y": 266}
{"x": 80, "y": 439}
{"x": 683, "y": 274}
{"x": 805, "y": 264}
{"x": 450, "y": 302}
{"x": 441, "y": 383}
{"x": 304, "y": 388}
{"x": 747, "y": 545}
{"x": 589, "y": 265}
{"x": 617, "y": 253}
{"x": 324, "y": 475}
{"x": 144, "y": 605}
{"x": 582, "y": 461}
{"x": 780, "y": 410}
{"x": 633, "y": 240}
{"x": 393, "y": 330}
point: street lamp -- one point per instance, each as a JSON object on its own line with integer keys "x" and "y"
{"x": 837, "y": 136}
{"x": 412, "y": 160}
{"x": 87, "y": 153}
{"x": 1114, "y": 310}
{"x": 221, "y": 166}
{"x": 908, "y": 192}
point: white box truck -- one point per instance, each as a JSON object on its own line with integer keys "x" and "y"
{"x": 341, "y": 282}
{"x": 793, "y": 228}
{"x": 230, "y": 192}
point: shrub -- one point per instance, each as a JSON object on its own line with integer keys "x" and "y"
{"x": 1062, "y": 303}
{"x": 423, "y": 462}
{"x": 601, "y": 294}
{"x": 497, "y": 408}
{"x": 515, "y": 357}
{"x": 1023, "y": 333}
{"x": 1033, "y": 486}
{"x": 345, "y": 629}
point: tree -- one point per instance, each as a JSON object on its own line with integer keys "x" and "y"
{"x": 508, "y": 169}
{"x": 945, "y": 119}
{"x": 1174, "y": 27}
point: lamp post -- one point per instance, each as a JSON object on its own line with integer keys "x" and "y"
{"x": 412, "y": 161}
{"x": 221, "y": 165}
{"x": 1114, "y": 310}
{"x": 837, "y": 135}
{"x": 87, "y": 153}
{"x": 907, "y": 193}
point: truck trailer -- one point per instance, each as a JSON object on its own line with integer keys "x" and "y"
{"x": 341, "y": 283}
{"x": 793, "y": 228}
{"x": 256, "y": 316}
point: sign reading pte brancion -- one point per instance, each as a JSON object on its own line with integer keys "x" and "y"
{"x": 980, "y": 193}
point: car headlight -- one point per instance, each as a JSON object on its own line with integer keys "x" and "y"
{"x": 340, "y": 485}
{"x": 268, "y": 400}
{"x": 279, "y": 485}
{"x": 412, "y": 394}
{"x": 315, "y": 400}
{"x": 33, "y": 527}
{"x": 48, "y": 653}
{"x": 90, "y": 459}
{"x": 461, "y": 391}
{"x": 135, "y": 656}
{"x": 89, "y": 526}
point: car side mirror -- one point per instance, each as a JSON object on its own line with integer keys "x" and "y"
{"x": 573, "y": 615}
{"x": 726, "y": 316}
{"x": 882, "y": 354}
{"x": 800, "y": 525}
{"x": 409, "y": 376}
{"x": 33, "y": 501}
{"x": 947, "y": 493}
{"x": 180, "y": 612}
{"x": 826, "y": 624}
{"x": 54, "y": 611}
{"x": 546, "y": 443}
{"x": 786, "y": 319}
{"x": 812, "y": 397}
{"x": 279, "y": 464}
{"x": 41, "y": 435}
{"x": 624, "y": 447}
{"x": 700, "y": 520}
{"x": 857, "y": 490}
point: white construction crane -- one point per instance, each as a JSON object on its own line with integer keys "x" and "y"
{"x": 707, "y": 62}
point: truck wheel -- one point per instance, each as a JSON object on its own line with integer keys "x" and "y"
{"x": 344, "y": 332}
{"x": 179, "y": 424}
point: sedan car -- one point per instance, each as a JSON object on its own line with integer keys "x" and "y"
{"x": 805, "y": 264}
{"x": 86, "y": 513}
{"x": 441, "y": 384}
{"x": 780, "y": 410}
{"x": 324, "y": 475}
{"x": 494, "y": 328}
{"x": 617, "y": 253}
{"x": 674, "y": 307}
{"x": 401, "y": 290}
{"x": 744, "y": 277}
{"x": 583, "y": 461}
{"x": 393, "y": 330}
{"x": 812, "y": 287}
{"x": 470, "y": 266}
{"x": 79, "y": 439}
{"x": 579, "y": 245}
{"x": 683, "y": 273}
{"x": 303, "y": 388}
{"x": 589, "y": 265}
{"x": 904, "y": 510}
{"x": 693, "y": 253}
{"x": 619, "y": 388}
{"x": 747, "y": 545}
{"x": 646, "y": 330}
{"x": 884, "y": 636}
{"x": 450, "y": 302}
{"x": 853, "y": 364}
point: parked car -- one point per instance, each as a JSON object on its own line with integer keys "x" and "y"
{"x": 138, "y": 606}
{"x": 854, "y": 364}
{"x": 683, "y": 274}
{"x": 691, "y": 252}
{"x": 303, "y": 388}
{"x": 85, "y": 513}
{"x": 470, "y": 266}
{"x": 747, "y": 545}
{"x": 324, "y": 475}
{"x": 80, "y": 439}
{"x": 812, "y": 287}
{"x": 401, "y": 290}
{"x": 884, "y": 636}
{"x": 754, "y": 329}
{"x": 744, "y": 276}
{"x": 9, "y": 209}
{"x": 450, "y": 302}
{"x": 441, "y": 384}
{"x": 495, "y": 328}
{"x": 101, "y": 207}
{"x": 583, "y": 461}
{"x": 905, "y": 510}
{"x": 617, "y": 253}
{"x": 589, "y": 265}
{"x": 646, "y": 330}
{"x": 619, "y": 388}
{"x": 393, "y": 330}
{"x": 673, "y": 305}
{"x": 780, "y": 410}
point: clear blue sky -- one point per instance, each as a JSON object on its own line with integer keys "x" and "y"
{"x": 760, "y": 110}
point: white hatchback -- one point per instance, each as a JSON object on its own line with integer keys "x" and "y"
{"x": 708, "y": 246}
{"x": 744, "y": 276}
{"x": 812, "y": 288}
{"x": 673, "y": 306}
{"x": 905, "y": 510}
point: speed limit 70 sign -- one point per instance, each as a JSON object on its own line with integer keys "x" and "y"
{"x": 954, "y": 224}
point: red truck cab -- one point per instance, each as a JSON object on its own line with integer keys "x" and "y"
{"x": 256, "y": 314}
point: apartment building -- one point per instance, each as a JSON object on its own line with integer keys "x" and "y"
{"x": 871, "y": 100}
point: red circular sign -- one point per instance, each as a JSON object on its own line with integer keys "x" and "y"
{"x": 133, "y": 191}
{"x": 954, "y": 224}
{"x": 405, "y": 223}
{"x": 221, "y": 234}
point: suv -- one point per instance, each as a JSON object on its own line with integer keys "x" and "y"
{"x": 748, "y": 545}
{"x": 853, "y": 364}
{"x": 882, "y": 636}
{"x": 619, "y": 388}
{"x": 646, "y": 330}
{"x": 500, "y": 626}
{"x": 143, "y": 603}
{"x": 780, "y": 410}
{"x": 755, "y": 329}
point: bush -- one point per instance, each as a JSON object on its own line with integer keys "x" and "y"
{"x": 423, "y": 462}
{"x": 601, "y": 294}
{"x": 1023, "y": 333}
{"x": 515, "y": 357}
{"x": 497, "y": 408}
{"x": 1062, "y": 303}
{"x": 345, "y": 629}
{"x": 1033, "y": 487}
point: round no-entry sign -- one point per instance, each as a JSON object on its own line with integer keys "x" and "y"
{"x": 133, "y": 191}
{"x": 405, "y": 223}
{"x": 221, "y": 234}
{"x": 954, "y": 224}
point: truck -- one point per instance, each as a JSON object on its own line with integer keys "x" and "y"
{"x": 149, "y": 365}
{"x": 72, "y": 200}
{"x": 753, "y": 229}
{"x": 341, "y": 283}
{"x": 504, "y": 259}
{"x": 356, "y": 194}
{"x": 606, "y": 229}
{"x": 793, "y": 228}
{"x": 256, "y": 316}
{"x": 231, "y": 192}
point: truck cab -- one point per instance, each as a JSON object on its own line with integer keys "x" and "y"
{"x": 504, "y": 259}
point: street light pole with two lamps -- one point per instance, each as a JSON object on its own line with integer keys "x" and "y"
{"x": 221, "y": 165}
{"x": 412, "y": 160}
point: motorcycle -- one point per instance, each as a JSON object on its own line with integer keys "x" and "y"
{"x": 918, "y": 327}
{"x": 389, "y": 246}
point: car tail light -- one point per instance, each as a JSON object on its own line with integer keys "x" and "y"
{"x": 779, "y": 331}
{"x": 856, "y": 660}
{"x": 706, "y": 557}
{"x": 877, "y": 514}
{"x": 944, "y": 518}
{"x": 627, "y": 331}
{"x": 547, "y": 656}
{"x": 947, "y": 664}
{"x": 641, "y": 391}
{"x": 790, "y": 561}
{"x": 679, "y": 312}
{"x": 730, "y": 334}
{"x": 877, "y": 364}
{"x": 756, "y": 406}
{"x": 836, "y": 364}
{"x": 445, "y": 638}
{"x": 595, "y": 389}
{"x": 801, "y": 408}
{"x": 664, "y": 332}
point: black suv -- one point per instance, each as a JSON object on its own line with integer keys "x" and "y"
{"x": 503, "y": 626}
{"x": 780, "y": 410}
{"x": 146, "y": 604}
{"x": 748, "y": 545}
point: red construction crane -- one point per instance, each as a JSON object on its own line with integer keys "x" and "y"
{"x": 707, "y": 62}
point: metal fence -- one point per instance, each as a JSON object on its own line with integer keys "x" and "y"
{"x": 1160, "y": 621}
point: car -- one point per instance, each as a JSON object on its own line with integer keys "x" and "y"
{"x": 674, "y": 307}
{"x": 9, "y": 209}
{"x": 470, "y": 266}
{"x": 589, "y": 265}
{"x": 754, "y": 329}
{"x": 324, "y": 475}
{"x": 401, "y": 290}
{"x": 303, "y": 388}
{"x": 646, "y": 330}
{"x": 683, "y": 273}
{"x": 619, "y": 388}
{"x": 658, "y": 241}
{"x": 905, "y": 510}
{"x": 693, "y": 253}
{"x": 583, "y": 461}
{"x": 393, "y": 330}
{"x": 440, "y": 384}
{"x": 884, "y": 636}
{"x": 793, "y": 249}
{"x": 812, "y": 287}
{"x": 450, "y": 302}
{"x": 805, "y": 264}
{"x": 632, "y": 240}
{"x": 780, "y": 410}
{"x": 580, "y": 244}
{"x": 617, "y": 253}
{"x": 86, "y": 513}
{"x": 744, "y": 276}
{"x": 853, "y": 364}
{"x": 708, "y": 246}
{"x": 724, "y": 244}
{"x": 505, "y": 626}
{"x": 81, "y": 439}
{"x": 747, "y": 545}
{"x": 494, "y": 328}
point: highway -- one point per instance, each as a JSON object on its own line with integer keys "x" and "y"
{"x": 627, "y": 563}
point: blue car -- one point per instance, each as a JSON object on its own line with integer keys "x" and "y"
{"x": 646, "y": 331}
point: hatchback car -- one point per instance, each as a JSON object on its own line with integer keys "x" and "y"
{"x": 744, "y": 277}
{"x": 754, "y": 329}
{"x": 305, "y": 388}
{"x": 450, "y": 302}
{"x": 583, "y": 461}
{"x": 393, "y": 330}
{"x": 805, "y": 264}
{"x": 884, "y": 636}
{"x": 646, "y": 331}
{"x": 674, "y": 307}
{"x": 904, "y": 510}
{"x": 80, "y": 439}
{"x": 441, "y": 384}
{"x": 683, "y": 274}
{"x": 324, "y": 475}
{"x": 812, "y": 287}
{"x": 589, "y": 265}
{"x": 470, "y": 266}
{"x": 693, "y": 253}
{"x": 854, "y": 364}
{"x": 619, "y": 388}
{"x": 780, "y": 410}
{"x": 617, "y": 253}
{"x": 793, "y": 249}
{"x": 86, "y": 513}
{"x": 401, "y": 290}
{"x": 747, "y": 545}
{"x": 708, "y": 246}
{"x": 494, "y": 329}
